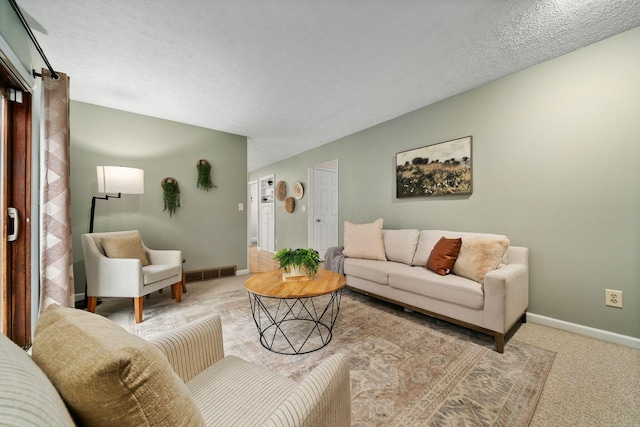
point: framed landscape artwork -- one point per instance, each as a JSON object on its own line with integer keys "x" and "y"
{"x": 435, "y": 170}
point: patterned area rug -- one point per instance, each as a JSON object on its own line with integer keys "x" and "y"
{"x": 406, "y": 369}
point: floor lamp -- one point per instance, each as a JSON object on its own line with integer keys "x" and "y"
{"x": 114, "y": 179}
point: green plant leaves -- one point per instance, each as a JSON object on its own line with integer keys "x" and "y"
{"x": 309, "y": 259}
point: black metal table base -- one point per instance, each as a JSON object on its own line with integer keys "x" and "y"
{"x": 283, "y": 322}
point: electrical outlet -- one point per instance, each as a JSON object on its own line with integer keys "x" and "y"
{"x": 613, "y": 298}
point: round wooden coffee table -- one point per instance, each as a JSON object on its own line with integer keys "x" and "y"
{"x": 295, "y": 317}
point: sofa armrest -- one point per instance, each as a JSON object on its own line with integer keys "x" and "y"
{"x": 323, "y": 398}
{"x": 194, "y": 347}
{"x": 506, "y": 296}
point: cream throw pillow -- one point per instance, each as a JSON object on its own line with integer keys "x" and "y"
{"x": 478, "y": 256}
{"x": 364, "y": 240}
{"x": 107, "y": 376}
{"x": 124, "y": 247}
{"x": 400, "y": 245}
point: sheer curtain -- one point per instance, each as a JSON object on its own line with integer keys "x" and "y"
{"x": 56, "y": 256}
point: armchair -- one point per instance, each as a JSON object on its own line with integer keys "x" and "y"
{"x": 128, "y": 277}
{"x": 231, "y": 391}
{"x": 89, "y": 370}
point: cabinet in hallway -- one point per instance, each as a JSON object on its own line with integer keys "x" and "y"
{"x": 266, "y": 212}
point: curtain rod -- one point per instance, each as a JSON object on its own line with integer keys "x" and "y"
{"x": 15, "y": 7}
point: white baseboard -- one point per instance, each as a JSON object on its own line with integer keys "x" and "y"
{"x": 242, "y": 272}
{"x": 78, "y": 297}
{"x": 584, "y": 330}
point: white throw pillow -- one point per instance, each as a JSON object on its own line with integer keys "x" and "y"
{"x": 400, "y": 245}
{"x": 364, "y": 240}
{"x": 478, "y": 256}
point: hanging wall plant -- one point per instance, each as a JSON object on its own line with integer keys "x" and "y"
{"x": 171, "y": 195}
{"x": 204, "y": 175}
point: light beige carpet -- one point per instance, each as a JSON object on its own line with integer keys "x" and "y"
{"x": 406, "y": 369}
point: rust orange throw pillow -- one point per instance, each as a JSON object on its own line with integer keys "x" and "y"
{"x": 444, "y": 255}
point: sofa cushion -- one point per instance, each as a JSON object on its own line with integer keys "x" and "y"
{"x": 375, "y": 271}
{"x": 429, "y": 238}
{"x": 400, "y": 245}
{"x": 27, "y": 397}
{"x": 364, "y": 240}
{"x": 479, "y": 255}
{"x": 450, "y": 288}
{"x": 232, "y": 398}
{"x": 444, "y": 255}
{"x": 124, "y": 247}
{"x": 107, "y": 376}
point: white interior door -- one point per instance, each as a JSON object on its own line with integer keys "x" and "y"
{"x": 325, "y": 209}
{"x": 253, "y": 213}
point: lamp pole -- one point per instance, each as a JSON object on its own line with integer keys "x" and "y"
{"x": 93, "y": 207}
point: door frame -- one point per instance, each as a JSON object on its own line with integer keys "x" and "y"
{"x": 16, "y": 192}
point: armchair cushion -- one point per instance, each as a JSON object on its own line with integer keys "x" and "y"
{"x": 106, "y": 375}
{"x": 244, "y": 392}
{"x": 154, "y": 273}
{"x": 124, "y": 247}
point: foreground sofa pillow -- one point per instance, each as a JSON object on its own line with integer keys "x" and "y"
{"x": 364, "y": 240}
{"x": 444, "y": 255}
{"x": 27, "y": 397}
{"x": 108, "y": 376}
{"x": 478, "y": 256}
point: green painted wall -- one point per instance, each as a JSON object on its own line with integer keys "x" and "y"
{"x": 556, "y": 150}
{"x": 208, "y": 227}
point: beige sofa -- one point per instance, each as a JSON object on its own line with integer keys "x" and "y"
{"x": 492, "y": 306}
{"x": 90, "y": 371}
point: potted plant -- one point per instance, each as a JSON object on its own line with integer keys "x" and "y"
{"x": 171, "y": 195}
{"x": 298, "y": 262}
{"x": 204, "y": 175}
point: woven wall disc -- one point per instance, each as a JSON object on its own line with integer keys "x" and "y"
{"x": 281, "y": 190}
{"x": 298, "y": 190}
{"x": 289, "y": 204}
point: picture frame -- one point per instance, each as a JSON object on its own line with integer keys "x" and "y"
{"x": 441, "y": 169}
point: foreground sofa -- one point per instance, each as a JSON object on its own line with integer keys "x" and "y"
{"x": 391, "y": 266}
{"x": 90, "y": 371}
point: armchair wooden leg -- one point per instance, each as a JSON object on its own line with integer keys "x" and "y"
{"x": 138, "y": 304}
{"x": 92, "y": 302}
{"x": 177, "y": 291}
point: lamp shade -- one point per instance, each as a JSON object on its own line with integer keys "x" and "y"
{"x": 118, "y": 179}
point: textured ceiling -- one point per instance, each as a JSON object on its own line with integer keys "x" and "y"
{"x": 294, "y": 74}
